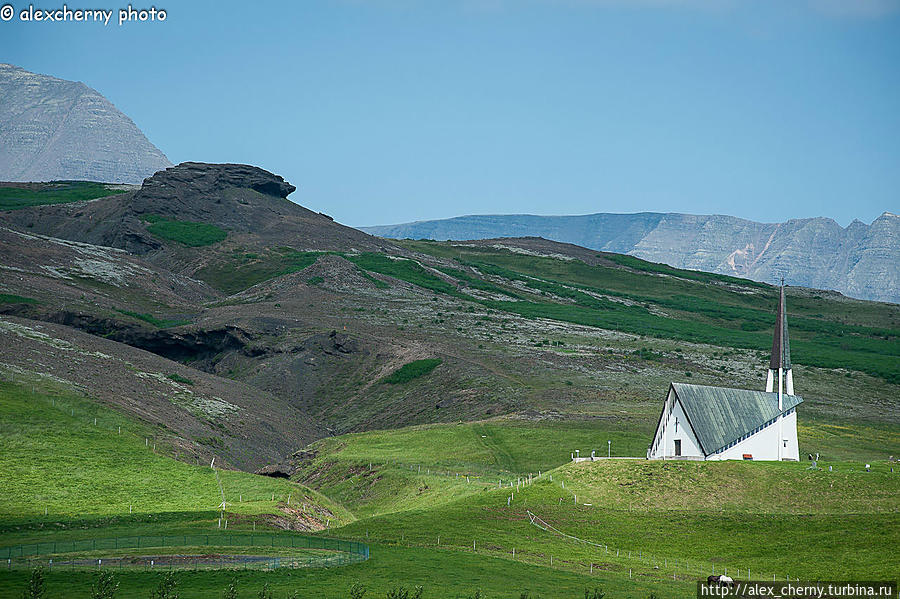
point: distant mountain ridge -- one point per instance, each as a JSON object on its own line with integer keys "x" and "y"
{"x": 859, "y": 260}
{"x": 52, "y": 129}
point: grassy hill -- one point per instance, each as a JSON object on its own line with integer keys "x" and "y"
{"x": 101, "y": 481}
{"x": 420, "y": 514}
{"x": 658, "y": 533}
{"x": 224, "y": 321}
{"x": 781, "y": 519}
{"x": 66, "y": 457}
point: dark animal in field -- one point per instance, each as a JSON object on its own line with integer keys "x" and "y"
{"x": 720, "y": 580}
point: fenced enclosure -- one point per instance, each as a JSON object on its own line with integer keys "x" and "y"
{"x": 194, "y": 551}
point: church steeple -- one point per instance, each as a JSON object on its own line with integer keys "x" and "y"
{"x": 780, "y": 363}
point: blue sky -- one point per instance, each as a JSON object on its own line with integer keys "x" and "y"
{"x": 386, "y": 111}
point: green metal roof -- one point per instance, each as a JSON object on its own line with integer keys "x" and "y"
{"x": 720, "y": 415}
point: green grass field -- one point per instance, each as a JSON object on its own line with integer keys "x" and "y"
{"x": 421, "y": 496}
{"x": 459, "y": 507}
{"x": 187, "y": 233}
{"x": 57, "y": 463}
{"x": 55, "y": 192}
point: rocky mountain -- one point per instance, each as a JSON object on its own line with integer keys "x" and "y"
{"x": 52, "y": 129}
{"x": 859, "y": 260}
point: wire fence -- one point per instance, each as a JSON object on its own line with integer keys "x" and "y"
{"x": 128, "y": 552}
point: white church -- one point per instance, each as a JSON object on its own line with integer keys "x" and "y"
{"x": 716, "y": 423}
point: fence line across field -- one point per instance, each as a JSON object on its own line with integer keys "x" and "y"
{"x": 349, "y": 551}
{"x": 686, "y": 567}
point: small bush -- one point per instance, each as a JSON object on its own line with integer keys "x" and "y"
{"x": 166, "y": 589}
{"x": 35, "y": 588}
{"x": 597, "y": 593}
{"x": 231, "y": 591}
{"x": 357, "y": 591}
{"x": 106, "y": 587}
{"x": 404, "y": 593}
{"x": 179, "y": 379}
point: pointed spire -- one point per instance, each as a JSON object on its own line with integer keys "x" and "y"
{"x": 781, "y": 346}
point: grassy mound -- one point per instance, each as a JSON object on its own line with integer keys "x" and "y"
{"x": 688, "y": 539}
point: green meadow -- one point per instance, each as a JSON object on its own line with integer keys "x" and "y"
{"x": 421, "y": 497}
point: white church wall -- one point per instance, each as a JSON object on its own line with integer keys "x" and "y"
{"x": 763, "y": 445}
{"x": 792, "y": 450}
{"x": 678, "y": 428}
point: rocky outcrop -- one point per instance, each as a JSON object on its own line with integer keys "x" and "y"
{"x": 858, "y": 260}
{"x": 201, "y": 180}
{"x": 246, "y": 201}
{"x": 237, "y": 197}
{"x": 52, "y": 129}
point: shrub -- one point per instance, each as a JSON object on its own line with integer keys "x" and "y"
{"x": 179, "y": 379}
{"x": 404, "y": 593}
{"x": 597, "y": 593}
{"x": 231, "y": 591}
{"x": 35, "y": 588}
{"x": 166, "y": 589}
{"x": 106, "y": 587}
{"x": 357, "y": 591}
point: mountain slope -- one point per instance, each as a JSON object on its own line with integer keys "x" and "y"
{"x": 859, "y": 260}
{"x": 52, "y": 129}
{"x": 209, "y": 273}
